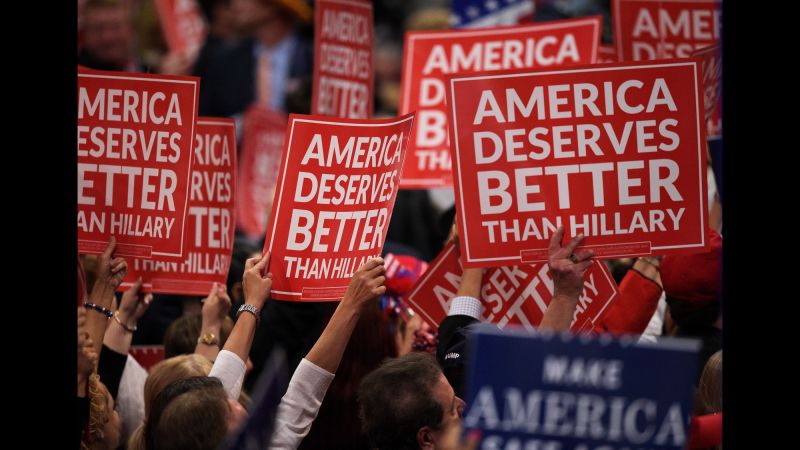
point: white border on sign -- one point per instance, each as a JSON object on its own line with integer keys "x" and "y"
{"x": 470, "y": 33}
{"x": 515, "y": 29}
{"x": 425, "y": 277}
{"x": 279, "y": 191}
{"x": 584, "y": 70}
{"x": 191, "y": 143}
{"x": 617, "y": 21}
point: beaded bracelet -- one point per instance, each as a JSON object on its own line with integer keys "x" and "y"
{"x": 127, "y": 328}
{"x": 99, "y": 309}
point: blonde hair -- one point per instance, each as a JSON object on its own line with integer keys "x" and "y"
{"x": 98, "y": 416}
{"x": 709, "y": 390}
{"x": 160, "y": 376}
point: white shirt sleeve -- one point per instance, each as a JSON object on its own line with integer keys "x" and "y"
{"x": 230, "y": 369}
{"x": 466, "y": 306}
{"x": 653, "y": 331}
{"x": 130, "y": 398}
{"x": 300, "y": 405}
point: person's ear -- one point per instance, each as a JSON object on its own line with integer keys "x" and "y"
{"x": 426, "y": 439}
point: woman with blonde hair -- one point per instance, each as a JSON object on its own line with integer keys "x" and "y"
{"x": 161, "y": 375}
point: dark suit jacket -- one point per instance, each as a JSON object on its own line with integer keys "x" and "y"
{"x": 227, "y": 80}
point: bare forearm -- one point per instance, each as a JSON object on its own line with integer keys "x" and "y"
{"x": 209, "y": 351}
{"x": 117, "y": 338}
{"x": 329, "y": 348}
{"x": 558, "y": 316}
{"x": 96, "y": 322}
{"x": 471, "y": 281}
{"x": 241, "y": 338}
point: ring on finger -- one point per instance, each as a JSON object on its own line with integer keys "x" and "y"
{"x": 574, "y": 258}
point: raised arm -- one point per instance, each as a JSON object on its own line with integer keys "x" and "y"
{"x": 132, "y": 306}
{"x": 567, "y": 267}
{"x": 309, "y": 383}
{"x": 229, "y": 365}
{"x": 215, "y": 309}
{"x": 110, "y": 273}
{"x": 367, "y": 284}
{"x": 256, "y": 288}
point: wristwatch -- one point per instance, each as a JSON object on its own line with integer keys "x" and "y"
{"x": 208, "y": 339}
{"x": 251, "y": 309}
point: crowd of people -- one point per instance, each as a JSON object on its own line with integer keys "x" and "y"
{"x": 365, "y": 372}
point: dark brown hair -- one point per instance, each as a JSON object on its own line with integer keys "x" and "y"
{"x": 337, "y": 425}
{"x": 396, "y": 400}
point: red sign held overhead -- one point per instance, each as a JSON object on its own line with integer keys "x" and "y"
{"x": 712, "y": 89}
{"x": 183, "y": 24}
{"x": 211, "y": 220}
{"x": 614, "y": 152}
{"x": 336, "y": 190}
{"x": 516, "y": 295}
{"x": 260, "y": 161}
{"x": 660, "y": 29}
{"x": 135, "y": 136}
{"x": 430, "y": 56}
{"x": 343, "y": 59}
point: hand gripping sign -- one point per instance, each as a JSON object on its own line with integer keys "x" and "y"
{"x": 511, "y": 295}
{"x": 336, "y": 190}
{"x": 430, "y": 56}
{"x": 264, "y": 132}
{"x": 343, "y": 59}
{"x": 561, "y": 392}
{"x": 135, "y": 139}
{"x": 183, "y": 24}
{"x": 211, "y": 220}
{"x": 611, "y": 151}
{"x": 661, "y": 29}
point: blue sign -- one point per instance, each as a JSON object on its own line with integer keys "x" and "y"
{"x": 537, "y": 391}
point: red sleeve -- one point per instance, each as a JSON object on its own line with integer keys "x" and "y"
{"x": 631, "y": 312}
{"x": 706, "y": 431}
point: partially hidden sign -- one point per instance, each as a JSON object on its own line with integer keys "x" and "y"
{"x": 430, "y": 56}
{"x": 561, "y": 392}
{"x": 511, "y": 295}
{"x": 662, "y": 29}
{"x": 336, "y": 190}
{"x": 183, "y": 24}
{"x": 264, "y": 132}
{"x": 614, "y": 152}
{"x": 343, "y": 59}
{"x": 211, "y": 219}
{"x": 607, "y": 54}
{"x": 712, "y": 89}
{"x": 135, "y": 141}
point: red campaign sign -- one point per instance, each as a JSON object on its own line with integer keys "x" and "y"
{"x": 210, "y": 223}
{"x": 343, "y": 59}
{"x": 336, "y": 191}
{"x": 135, "y": 135}
{"x": 661, "y": 29}
{"x": 615, "y": 152}
{"x": 147, "y": 355}
{"x": 264, "y": 132}
{"x": 430, "y": 56}
{"x": 608, "y": 54}
{"x": 182, "y": 23}
{"x": 515, "y": 295}
{"x": 712, "y": 88}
